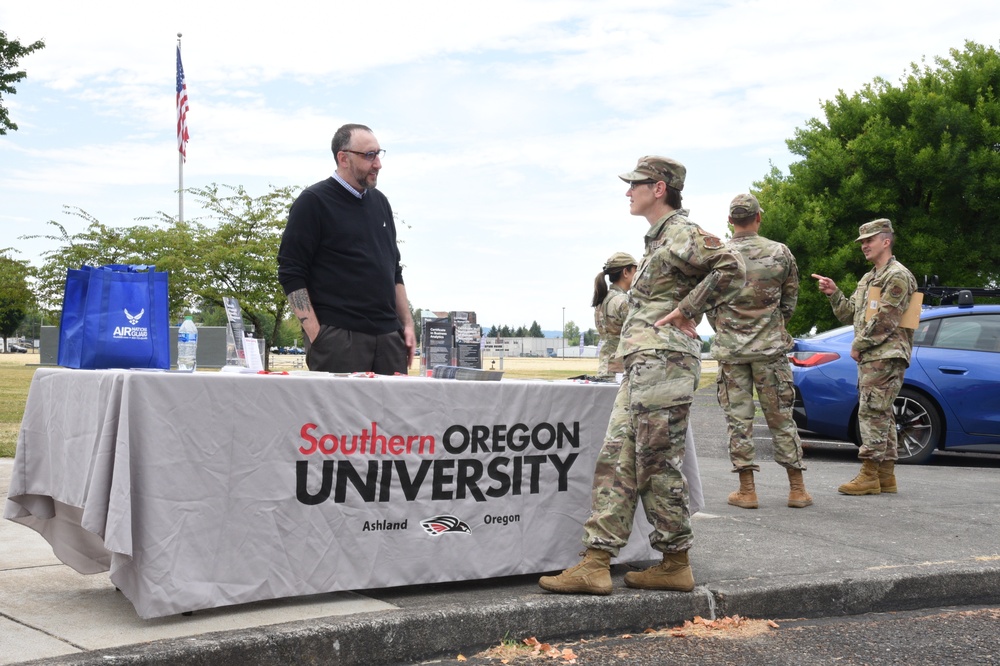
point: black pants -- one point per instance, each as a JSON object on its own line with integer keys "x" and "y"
{"x": 339, "y": 350}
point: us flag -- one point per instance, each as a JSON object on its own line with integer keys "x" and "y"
{"x": 182, "y": 108}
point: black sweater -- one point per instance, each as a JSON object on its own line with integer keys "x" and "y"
{"x": 343, "y": 251}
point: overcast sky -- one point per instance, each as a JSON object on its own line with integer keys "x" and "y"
{"x": 505, "y": 124}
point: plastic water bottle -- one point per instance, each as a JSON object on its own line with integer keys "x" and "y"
{"x": 187, "y": 345}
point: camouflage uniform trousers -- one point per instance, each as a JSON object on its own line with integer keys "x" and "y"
{"x": 773, "y": 379}
{"x": 878, "y": 385}
{"x": 642, "y": 455}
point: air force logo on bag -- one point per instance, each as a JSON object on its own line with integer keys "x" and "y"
{"x": 132, "y": 332}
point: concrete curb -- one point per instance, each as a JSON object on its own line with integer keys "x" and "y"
{"x": 409, "y": 635}
{"x": 874, "y": 592}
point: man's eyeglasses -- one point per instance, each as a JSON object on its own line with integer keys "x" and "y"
{"x": 369, "y": 156}
{"x": 635, "y": 184}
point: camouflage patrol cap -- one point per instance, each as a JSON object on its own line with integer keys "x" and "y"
{"x": 744, "y": 207}
{"x": 869, "y": 229}
{"x": 619, "y": 260}
{"x": 654, "y": 167}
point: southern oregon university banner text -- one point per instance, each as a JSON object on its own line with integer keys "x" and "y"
{"x": 279, "y": 486}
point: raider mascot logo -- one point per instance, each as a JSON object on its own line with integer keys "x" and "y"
{"x": 439, "y": 525}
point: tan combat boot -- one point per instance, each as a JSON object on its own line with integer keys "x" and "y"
{"x": 865, "y": 483}
{"x": 798, "y": 498}
{"x": 673, "y": 573}
{"x": 746, "y": 496}
{"x": 591, "y": 576}
{"x": 887, "y": 476}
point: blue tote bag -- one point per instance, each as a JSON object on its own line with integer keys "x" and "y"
{"x": 115, "y": 316}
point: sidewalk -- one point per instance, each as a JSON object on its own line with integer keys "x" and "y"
{"x": 936, "y": 543}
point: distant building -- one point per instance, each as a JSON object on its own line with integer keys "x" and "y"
{"x": 534, "y": 347}
{"x": 530, "y": 347}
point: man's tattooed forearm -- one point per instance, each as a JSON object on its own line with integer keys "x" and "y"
{"x": 300, "y": 302}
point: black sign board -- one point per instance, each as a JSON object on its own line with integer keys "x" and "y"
{"x": 438, "y": 341}
{"x": 469, "y": 355}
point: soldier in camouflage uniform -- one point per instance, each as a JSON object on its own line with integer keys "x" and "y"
{"x": 881, "y": 348}
{"x": 610, "y": 308}
{"x": 751, "y": 344}
{"x": 684, "y": 272}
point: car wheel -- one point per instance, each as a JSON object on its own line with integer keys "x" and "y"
{"x": 918, "y": 427}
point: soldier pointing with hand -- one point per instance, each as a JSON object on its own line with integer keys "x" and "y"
{"x": 882, "y": 350}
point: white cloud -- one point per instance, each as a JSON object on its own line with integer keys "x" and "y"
{"x": 505, "y": 124}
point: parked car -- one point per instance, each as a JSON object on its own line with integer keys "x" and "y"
{"x": 950, "y": 398}
{"x": 16, "y": 349}
{"x": 287, "y": 350}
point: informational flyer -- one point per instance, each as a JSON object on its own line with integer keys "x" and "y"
{"x": 252, "y": 354}
{"x": 437, "y": 342}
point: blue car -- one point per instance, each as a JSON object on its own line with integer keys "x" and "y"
{"x": 950, "y": 398}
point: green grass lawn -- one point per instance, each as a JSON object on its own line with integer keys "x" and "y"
{"x": 14, "y": 383}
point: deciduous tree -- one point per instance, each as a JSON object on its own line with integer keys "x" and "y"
{"x": 571, "y": 333}
{"x": 237, "y": 253}
{"x": 11, "y": 52}
{"x": 16, "y": 298}
{"x": 168, "y": 246}
{"x": 924, "y": 153}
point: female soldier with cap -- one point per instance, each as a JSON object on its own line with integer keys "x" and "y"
{"x": 684, "y": 272}
{"x": 610, "y": 307}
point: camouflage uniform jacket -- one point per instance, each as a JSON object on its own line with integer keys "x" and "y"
{"x": 751, "y": 327}
{"x": 608, "y": 318}
{"x": 880, "y": 337}
{"x": 683, "y": 267}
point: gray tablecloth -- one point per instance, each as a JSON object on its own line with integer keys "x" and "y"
{"x": 209, "y": 489}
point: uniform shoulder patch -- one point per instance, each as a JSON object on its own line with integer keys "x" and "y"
{"x": 711, "y": 242}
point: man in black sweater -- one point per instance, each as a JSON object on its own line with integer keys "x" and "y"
{"x": 339, "y": 266}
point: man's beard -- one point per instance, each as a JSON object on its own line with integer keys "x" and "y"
{"x": 361, "y": 176}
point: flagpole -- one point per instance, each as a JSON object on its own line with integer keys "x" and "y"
{"x": 180, "y": 164}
